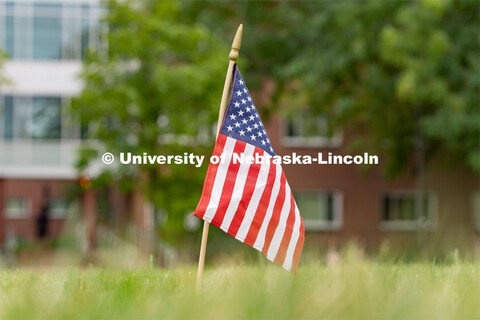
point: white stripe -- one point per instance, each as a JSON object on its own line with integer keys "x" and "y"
{"x": 237, "y": 189}
{"x": 255, "y": 200}
{"x": 282, "y": 224}
{"x": 219, "y": 180}
{"x": 260, "y": 241}
{"x": 293, "y": 241}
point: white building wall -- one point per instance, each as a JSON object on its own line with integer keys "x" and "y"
{"x": 43, "y": 78}
{"x": 32, "y": 158}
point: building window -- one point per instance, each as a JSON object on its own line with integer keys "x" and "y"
{"x": 401, "y": 210}
{"x": 49, "y": 30}
{"x": 307, "y": 130}
{"x": 16, "y": 208}
{"x": 58, "y": 208}
{"x": 46, "y": 118}
{"x": 36, "y": 118}
{"x": 7, "y": 122}
{"x": 320, "y": 210}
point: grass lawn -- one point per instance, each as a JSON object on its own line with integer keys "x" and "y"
{"x": 356, "y": 289}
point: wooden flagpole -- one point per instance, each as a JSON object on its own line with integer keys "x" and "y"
{"x": 233, "y": 56}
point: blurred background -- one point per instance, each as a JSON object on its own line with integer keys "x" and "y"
{"x": 399, "y": 79}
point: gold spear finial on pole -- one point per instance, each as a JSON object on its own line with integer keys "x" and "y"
{"x": 237, "y": 42}
{"x": 233, "y": 56}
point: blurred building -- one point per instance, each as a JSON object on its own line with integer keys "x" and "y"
{"x": 436, "y": 206}
{"x": 45, "y": 42}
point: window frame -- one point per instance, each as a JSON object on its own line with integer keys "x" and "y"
{"x": 319, "y": 141}
{"x": 38, "y": 109}
{"x": 79, "y": 20}
{"x": 323, "y": 225}
{"x": 410, "y": 225}
{"x": 57, "y": 214}
{"x": 27, "y": 213}
{"x": 69, "y": 127}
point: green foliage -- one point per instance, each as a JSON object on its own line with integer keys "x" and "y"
{"x": 3, "y": 78}
{"x": 401, "y": 75}
{"x": 158, "y": 85}
{"x": 352, "y": 289}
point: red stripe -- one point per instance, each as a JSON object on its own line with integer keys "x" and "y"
{"x": 262, "y": 207}
{"x": 228, "y": 186}
{"x": 287, "y": 236}
{"x": 248, "y": 190}
{"x": 298, "y": 248}
{"x": 210, "y": 178}
{"x": 275, "y": 219}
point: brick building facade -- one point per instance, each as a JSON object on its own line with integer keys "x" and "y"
{"x": 358, "y": 203}
{"x": 39, "y": 139}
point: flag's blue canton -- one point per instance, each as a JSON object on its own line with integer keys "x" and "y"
{"x": 242, "y": 121}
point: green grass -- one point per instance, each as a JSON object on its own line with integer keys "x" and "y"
{"x": 351, "y": 289}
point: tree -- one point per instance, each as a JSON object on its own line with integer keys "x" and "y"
{"x": 155, "y": 91}
{"x": 403, "y": 74}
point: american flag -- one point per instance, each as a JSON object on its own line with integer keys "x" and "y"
{"x": 251, "y": 202}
